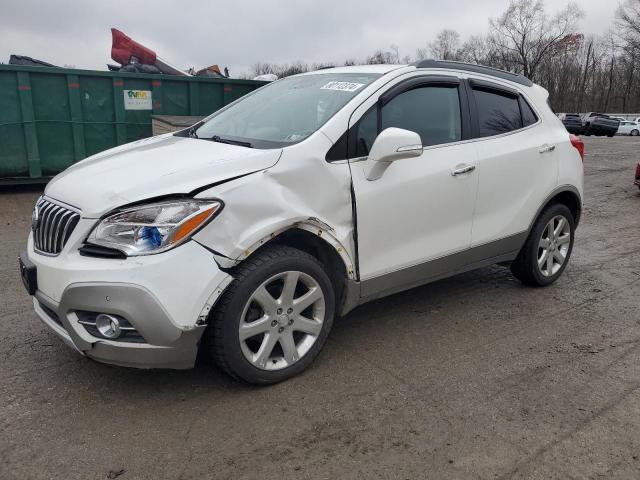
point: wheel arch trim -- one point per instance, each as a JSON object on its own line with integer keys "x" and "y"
{"x": 571, "y": 189}
{"x": 312, "y": 225}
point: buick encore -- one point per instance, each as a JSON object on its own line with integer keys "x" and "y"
{"x": 244, "y": 236}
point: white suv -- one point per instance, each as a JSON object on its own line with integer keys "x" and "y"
{"x": 245, "y": 235}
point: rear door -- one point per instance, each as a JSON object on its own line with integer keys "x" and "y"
{"x": 517, "y": 165}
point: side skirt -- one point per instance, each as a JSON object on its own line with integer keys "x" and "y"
{"x": 503, "y": 250}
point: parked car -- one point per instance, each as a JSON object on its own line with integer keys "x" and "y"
{"x": 620, "y": 119}
{"x": 572, "y": 122}
{"x": 628, "y": 128}
{"x": 246, "y": 234}
{"x": 599, "y": 124}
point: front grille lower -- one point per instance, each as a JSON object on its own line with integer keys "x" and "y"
{"x": 52, "y": 226}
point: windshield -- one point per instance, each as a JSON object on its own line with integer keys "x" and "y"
{"x": 284, "y": 112}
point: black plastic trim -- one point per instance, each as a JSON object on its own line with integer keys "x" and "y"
{"x": 416, "y": 82}
{"x": 354, "y": 212}
{"x": 352, "y": 133}
{"x": 470, "y": 67}
{"x": 338, "y": 150}
{"x": 483, "y": 85}
{"x": 474, "y": 123}
{"x": 98, "y": 251}
{"x": 198, "y": 190}
{"x": 557, "y": 191}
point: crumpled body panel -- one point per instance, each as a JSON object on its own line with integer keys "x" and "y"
{"x": 301, "y": 191}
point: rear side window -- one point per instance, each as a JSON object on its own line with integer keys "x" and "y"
{"x": 497, "y": 112}
{"x": 528, "y": 116}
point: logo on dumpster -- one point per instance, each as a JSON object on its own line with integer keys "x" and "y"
{"x": 141, "y": 94}
{"x": 137, "y": 100}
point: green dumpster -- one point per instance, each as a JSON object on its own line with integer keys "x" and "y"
{"x": 51, "y": 118}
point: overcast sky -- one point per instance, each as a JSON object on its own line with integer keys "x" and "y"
{"x": 239, "y": 33}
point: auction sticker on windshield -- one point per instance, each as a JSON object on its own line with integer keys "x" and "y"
{"x": 342, "y": 86}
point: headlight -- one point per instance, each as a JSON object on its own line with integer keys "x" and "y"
{"x": 153, "y": 228}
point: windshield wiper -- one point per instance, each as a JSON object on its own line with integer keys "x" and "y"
{"x": 217, "y": 138}
{"x": 192, "y": 132}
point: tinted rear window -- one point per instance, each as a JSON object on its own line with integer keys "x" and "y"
{"x": 497, "y": 112}
{"x": 528, "y": 116}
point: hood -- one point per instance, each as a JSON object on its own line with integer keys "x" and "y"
{"x": 151, "y": 168}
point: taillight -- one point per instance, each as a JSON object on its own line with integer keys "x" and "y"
{"x": 578, "y": 144}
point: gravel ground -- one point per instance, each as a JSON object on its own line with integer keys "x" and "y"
{"x": 471, "y": 377}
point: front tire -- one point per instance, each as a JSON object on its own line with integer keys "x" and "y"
{"x": 274, "y": 317}
{"x": 634, "y": 133}
{"x": 548, "y": 248}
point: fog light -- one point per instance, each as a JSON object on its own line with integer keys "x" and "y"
{"x": 108, "y": 326}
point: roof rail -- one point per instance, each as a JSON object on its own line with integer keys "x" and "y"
{"x": 470, "y": 67}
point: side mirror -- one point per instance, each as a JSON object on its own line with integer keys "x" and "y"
{"x": 392, "y": 144}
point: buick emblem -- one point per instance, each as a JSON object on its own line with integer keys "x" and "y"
{"x": 35, "y": 218}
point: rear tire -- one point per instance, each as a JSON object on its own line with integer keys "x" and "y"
{"x": 548, "y": 248}
{"x": 634, "y": 133}
{"x": 273, "y": 319}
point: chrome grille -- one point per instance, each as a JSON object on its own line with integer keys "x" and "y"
{"x": 52, "y": 225}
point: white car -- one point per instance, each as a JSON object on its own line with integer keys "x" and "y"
{"x": 629, "y": 128}
{"x": 247, "y": 234}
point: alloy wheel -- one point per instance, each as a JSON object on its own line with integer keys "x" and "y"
{"x": 554, "y": 246}
{"x": 282, "y": 320}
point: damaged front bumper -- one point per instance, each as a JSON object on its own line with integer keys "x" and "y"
{"x": 171, "y": 347}
{"x": 163, "y": 298}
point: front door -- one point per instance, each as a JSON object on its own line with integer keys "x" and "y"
{"x": 414, "y": 219}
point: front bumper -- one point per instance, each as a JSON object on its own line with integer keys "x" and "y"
{"x": 165, "y": 297}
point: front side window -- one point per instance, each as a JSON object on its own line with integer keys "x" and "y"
{"x": 366, "y": 132}
{"x": 286, "y": 111}
{"x": 433, "y": 112}
{"x": 497, "y": 112}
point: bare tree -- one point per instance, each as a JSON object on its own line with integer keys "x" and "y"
{"x": 396, "y": 51}
{"x": 281, "y": 70}
{"x": 381, "y": 57}
{"x": 526, "y": 36}
{"x": 628, "y": 23}
{"x": 445, "y": 47}
{"x": 475, "y": 50}
{"x": 580, "y": 73}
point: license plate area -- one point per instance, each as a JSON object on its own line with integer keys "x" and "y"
{"x": 28, "y": 273}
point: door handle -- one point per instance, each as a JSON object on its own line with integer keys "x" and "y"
{"x": 463, "y": 169}
{"x": 547, "y": 148}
